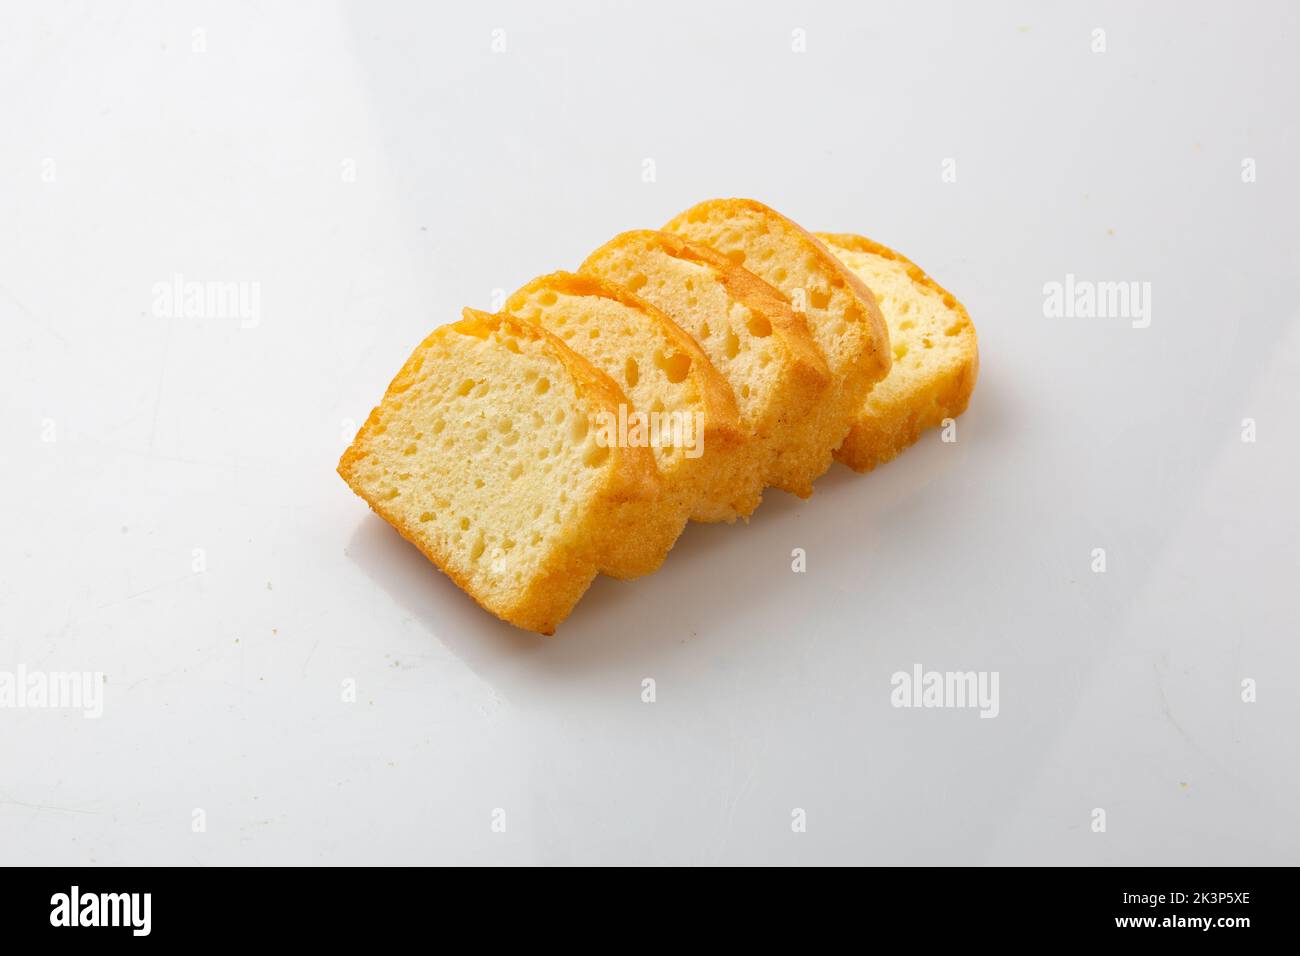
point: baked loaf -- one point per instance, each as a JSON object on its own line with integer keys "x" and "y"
{"x": 483, "y": 456}
{"x": 751, "y": 335}
{"x": 677, "y": 376}
{"x": 840, "y": 310}
{"x": 936, "y": 357}
{"x": 685, "y": 407}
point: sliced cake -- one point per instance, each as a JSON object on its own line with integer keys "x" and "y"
{"x": 483, "y": 455}
{"x": 678, "y": 403}
{"x": 751, "y": 335}
{"x": 936, "y": 357}
{"x": 840, "y": 310}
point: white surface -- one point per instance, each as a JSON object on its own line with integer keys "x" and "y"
{"x": 476, "y": 171}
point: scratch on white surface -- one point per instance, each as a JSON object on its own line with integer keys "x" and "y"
{"x": 30, "y": 316}
{"x": 1158, "y": 666}
{"x": 148, "y": 590}
{"x": 303, "y": 669}
{"x": 44, "y": 807}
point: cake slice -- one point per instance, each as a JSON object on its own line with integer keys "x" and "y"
{"x": 936, "y": 357}
{"x": 483, "y": 455}
{"x": 678, "y": 404}
{"x": 841, "y": 312}
{"x": 749, "y": 332}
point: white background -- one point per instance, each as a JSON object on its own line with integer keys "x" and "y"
{"x": 131, "y": 439}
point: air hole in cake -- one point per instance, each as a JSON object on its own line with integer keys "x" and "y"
{"x": 737, "y": 257}
{"x": 543, "y": 386}
{"x": 635, "y": 281}
{"x": 819, "y": 299}
{"x": 548, "y": 297}
{"x": 732, "y": 343}
{"x": 759, "y": 326}
{"x": 676, "y": 366}
{"x": 631, "y": 372}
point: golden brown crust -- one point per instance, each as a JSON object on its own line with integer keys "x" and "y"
{"x": 880, "y": 434}
{"x": 568, "y": 572}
